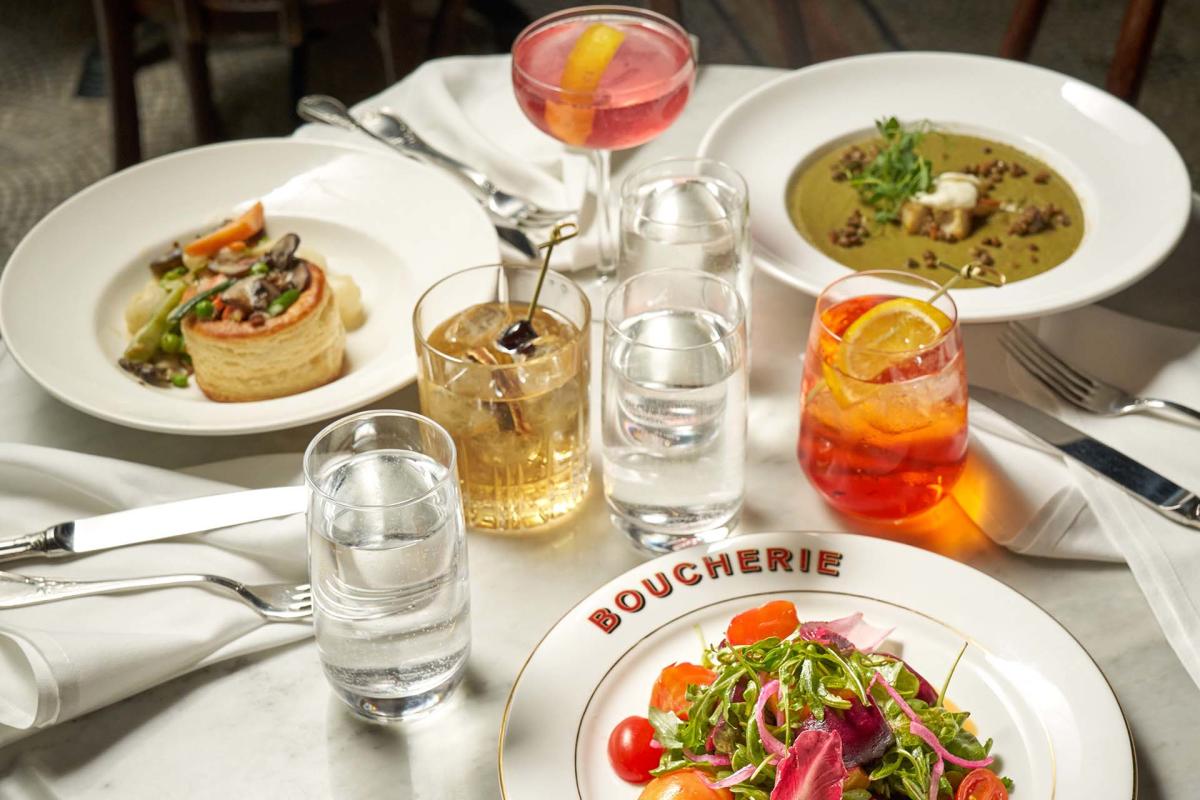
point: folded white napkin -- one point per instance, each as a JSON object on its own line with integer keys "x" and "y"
{"x": 465, "y": 107}
{"x": 1029, "y": 498}
{"x": 63, "y": 659}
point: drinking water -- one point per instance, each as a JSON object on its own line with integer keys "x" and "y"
{"x": 389, "y": 580}
{"x": 675, "y": 426}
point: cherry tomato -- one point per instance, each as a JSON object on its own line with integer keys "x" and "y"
{"x": 981, "y": 784}
{"x": 776, "y": 618}
{"x": 633, "y": 750}
{"x": 670, "y": 690}
{"x": 684, "y": 784}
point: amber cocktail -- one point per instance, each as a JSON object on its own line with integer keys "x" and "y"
{"x": 519, "y": 418}
{"x": 883, "y": 421}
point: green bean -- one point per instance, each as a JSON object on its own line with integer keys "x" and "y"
{"x": 181, "y": 312}
{"x": 281, "y": 303}
{"x": 145, "y": 342}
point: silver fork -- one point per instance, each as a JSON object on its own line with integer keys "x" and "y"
{"x": 387, "y": 127}
{"x": 275, "y": 601}
{"x": 1076, "y": 386}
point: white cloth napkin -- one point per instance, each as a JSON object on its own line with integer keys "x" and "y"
{"x": 465, "y": 107}
{"x": 63, "y": 659}
{"x": 1029, "y": 498}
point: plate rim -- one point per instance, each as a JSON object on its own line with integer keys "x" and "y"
{"x": 233, "y": 428}
{"x": 769, "y": 262}
{"x": 700, "y": 548}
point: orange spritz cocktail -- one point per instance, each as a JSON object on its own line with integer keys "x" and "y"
{"x": 883, "y": 421}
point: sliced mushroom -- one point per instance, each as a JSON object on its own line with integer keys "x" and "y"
{"x": 234, "y": 268}
{"x": 168, "y": 261}
{"x": 283, "y": 251}
{"x": 250, "y": 294}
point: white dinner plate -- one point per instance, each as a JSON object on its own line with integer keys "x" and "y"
{"x": 1130, "y": 179}
{"x": 393, "y": 225}
{"x": 1058, "y": 730}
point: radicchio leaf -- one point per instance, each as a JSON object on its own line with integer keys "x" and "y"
{"x": 863, "y": 636}
{"x": 863, "y": 730}
{"x": 813, "y": 769}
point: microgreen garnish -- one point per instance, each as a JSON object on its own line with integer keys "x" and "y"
{"x": 896, "y": 173}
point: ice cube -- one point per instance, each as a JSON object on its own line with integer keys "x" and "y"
{"x": 478, "y": 325}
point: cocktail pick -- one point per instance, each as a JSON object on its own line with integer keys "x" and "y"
{"x": 970, "y": 271}
{"x": 518, "y": 337}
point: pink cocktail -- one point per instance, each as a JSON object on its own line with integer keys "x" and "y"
{"x": 603, "y": 78}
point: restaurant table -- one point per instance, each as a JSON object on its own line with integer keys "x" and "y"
{"x": 268, "y": 725}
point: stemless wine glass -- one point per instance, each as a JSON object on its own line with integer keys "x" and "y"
{"x": 883, "y": 421}
{"x": 603, "y": 78}
{"x": 388, "y": 562}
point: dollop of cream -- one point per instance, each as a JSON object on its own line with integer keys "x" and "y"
{"x": 951, "y": 190}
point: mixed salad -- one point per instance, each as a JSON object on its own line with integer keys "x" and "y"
{"x": 789, "y": 710}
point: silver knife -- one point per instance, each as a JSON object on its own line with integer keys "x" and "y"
{"x": 1144, "y": 484}
{"x": 161, "y": 521}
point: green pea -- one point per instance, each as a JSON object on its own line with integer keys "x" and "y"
{"x": 180, "y": 379}
{"x": 205, "y": 309}
{"x": 260, "y": 268}
{"x": 170, "y": 342}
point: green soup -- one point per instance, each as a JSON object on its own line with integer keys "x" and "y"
{"x": 818, "y": 205}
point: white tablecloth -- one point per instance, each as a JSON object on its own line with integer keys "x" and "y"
{"x": 267, "y": 724}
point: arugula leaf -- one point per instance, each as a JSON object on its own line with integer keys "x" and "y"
{"x": 665, "y": 725}
{"x": 896, "y": 173}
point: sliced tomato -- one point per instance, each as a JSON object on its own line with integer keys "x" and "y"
{"x": 670, "y": 690}
{"x": 981, "y": 784}
{"x": 776, "y": 618}
{"x": 684, "y": 784}
{"x": 633, "y": 750}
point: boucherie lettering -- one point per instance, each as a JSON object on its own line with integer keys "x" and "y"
{"x": 632, "y": 599}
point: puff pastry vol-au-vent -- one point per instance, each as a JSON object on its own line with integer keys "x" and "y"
{"x": 260, "y": 357}
{"x": 249, "y": 318}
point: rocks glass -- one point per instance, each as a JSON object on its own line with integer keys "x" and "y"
{"x": 674, "y": 408}
{"x": 518, "y": 419}
{"x": 387, "y": 562}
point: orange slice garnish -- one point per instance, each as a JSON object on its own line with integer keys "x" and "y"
{"x": 570, "y": 120}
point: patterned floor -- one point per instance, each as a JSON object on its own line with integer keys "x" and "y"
{"x": 54, "y": 142}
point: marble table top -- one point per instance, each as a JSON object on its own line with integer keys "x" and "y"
{"x": 268, "y": 724}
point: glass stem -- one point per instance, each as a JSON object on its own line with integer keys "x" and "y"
{"x": 606, "y": 257}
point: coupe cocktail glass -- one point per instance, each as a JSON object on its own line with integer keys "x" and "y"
{"x": 883, "y": 421}
{"x": 603, "y": 78}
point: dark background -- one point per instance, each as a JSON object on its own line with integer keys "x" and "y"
{"x": 54, "y": 127}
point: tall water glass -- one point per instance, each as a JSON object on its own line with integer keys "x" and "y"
{"x": 674, "y": 400}
{"x": 687, "y": 213}
{"x": 388, "y": 562}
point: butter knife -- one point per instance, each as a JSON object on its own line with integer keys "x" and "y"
{"x": 1142, "y": 483}
{"x": 161, "y": 521}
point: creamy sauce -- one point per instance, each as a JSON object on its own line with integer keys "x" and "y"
{"x": 817, "y": 205}
{"x": 951, "y": 190}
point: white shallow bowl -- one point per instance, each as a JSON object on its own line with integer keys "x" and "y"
{"x": 1130, "y": 179}
{"x": 393, "y": 225}
{"x": 1058, "y": 730}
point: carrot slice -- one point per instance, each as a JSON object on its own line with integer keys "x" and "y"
{"x": 241, "y": 229}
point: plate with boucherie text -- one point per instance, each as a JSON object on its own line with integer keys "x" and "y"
{"x": 1055, "y": 192}
{"x": 794, "y": 666}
